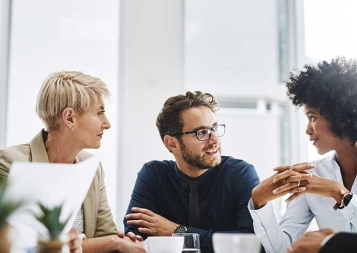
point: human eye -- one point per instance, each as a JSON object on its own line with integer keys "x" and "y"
{"x": 202, "y": 133}
{"x": 101, "y": 112}
{"x": 312, "y": 118}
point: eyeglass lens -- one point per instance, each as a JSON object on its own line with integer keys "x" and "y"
{"x": 205, "y": 134}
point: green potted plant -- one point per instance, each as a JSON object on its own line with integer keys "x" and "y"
{"x": 6, "y": 209}
{"x": 50, "y": 218}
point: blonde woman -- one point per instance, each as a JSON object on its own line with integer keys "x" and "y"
{"x": 71, "y": 106}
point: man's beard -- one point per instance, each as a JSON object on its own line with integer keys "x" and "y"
{"x": 197, "y": 160}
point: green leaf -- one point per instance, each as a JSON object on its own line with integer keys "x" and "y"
{"x": 50, "y": 218}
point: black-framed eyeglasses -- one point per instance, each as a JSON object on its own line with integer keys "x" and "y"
{"x": 204, "y": 134}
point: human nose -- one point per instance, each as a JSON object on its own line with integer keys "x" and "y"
{"x": 106, "y": 123}
{"x": 214, "y": 137}
{"x": 309, "y": 129}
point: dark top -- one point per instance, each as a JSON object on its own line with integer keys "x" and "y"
{"x": 224, "y": 193}
{"x": 341, "y": 243}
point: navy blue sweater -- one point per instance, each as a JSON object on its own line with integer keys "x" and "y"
{"x": 224, "y": 193}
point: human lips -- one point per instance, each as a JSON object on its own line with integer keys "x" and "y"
{"x": 314, "y": 141}
{"x": 212, "y": 151}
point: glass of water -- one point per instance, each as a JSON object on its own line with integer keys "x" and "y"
{"x": 191, "y": 242}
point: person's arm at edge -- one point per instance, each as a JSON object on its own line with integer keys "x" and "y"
{"x": 311, "y": 242}
{"x": 102, "y": 244}
{"x": 111, "y": 243}
{"x": 340, "y": 242}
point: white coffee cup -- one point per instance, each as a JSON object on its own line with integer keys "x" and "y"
{"x": 235, "y": 243}
{"x": 164, "y": 244}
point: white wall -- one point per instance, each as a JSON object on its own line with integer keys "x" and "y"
{"x": 231, "y": 48}
{"x": 49, "y": 36}
{"x": 151, "y": 72}
{"x": 246, "y": 139}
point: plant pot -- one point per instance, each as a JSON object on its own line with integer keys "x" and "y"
{"x": 55, "y": 246}
{"x": 4, "y": 239}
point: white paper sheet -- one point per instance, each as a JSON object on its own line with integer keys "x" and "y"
{"x": 51, "y": 184}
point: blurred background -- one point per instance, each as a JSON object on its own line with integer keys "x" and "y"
{"x": 241, "y": 51}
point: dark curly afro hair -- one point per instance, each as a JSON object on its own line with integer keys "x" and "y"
{"x": 332, "y": 88}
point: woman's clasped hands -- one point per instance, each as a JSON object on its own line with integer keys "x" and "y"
{"x": 291, "y": 179}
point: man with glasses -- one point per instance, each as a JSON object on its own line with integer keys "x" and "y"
{"x": 202, "y": 192}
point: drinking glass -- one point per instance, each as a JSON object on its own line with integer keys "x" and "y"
{"x": 191, "y": 242}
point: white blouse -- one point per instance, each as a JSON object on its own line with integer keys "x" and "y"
{"x": 276, "y": 237}
{"x": 79, "y": 222}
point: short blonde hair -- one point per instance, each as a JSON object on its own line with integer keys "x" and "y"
{"x": 68, "y": 89}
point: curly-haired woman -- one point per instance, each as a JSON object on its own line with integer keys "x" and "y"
{"x": 323, "y": 189}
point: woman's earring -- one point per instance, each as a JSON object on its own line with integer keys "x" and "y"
{"x": 71, "y": 128}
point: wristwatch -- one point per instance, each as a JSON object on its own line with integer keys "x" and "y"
{"x": 344, "y": 202}
{"x": 180, "y": 229}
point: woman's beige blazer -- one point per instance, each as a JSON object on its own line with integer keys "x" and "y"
{"x": 98, "y": 219}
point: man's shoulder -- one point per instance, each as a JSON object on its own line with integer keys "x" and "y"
{"x": 238, "y": 171}
{"x": 159, "y": 165}
{"x": 230, "y": 162}
{"x": 18, "y": 153}
{"x": 231, "y": 167}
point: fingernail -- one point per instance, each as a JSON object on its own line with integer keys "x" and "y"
{"x": 274, "y": 180}
{"x": 133, "y": 208}
{"x": 275, "y": 192}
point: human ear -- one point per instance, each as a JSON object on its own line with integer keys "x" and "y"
{"x": 171, "y": 142}
{"x": 67, "y": 117}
